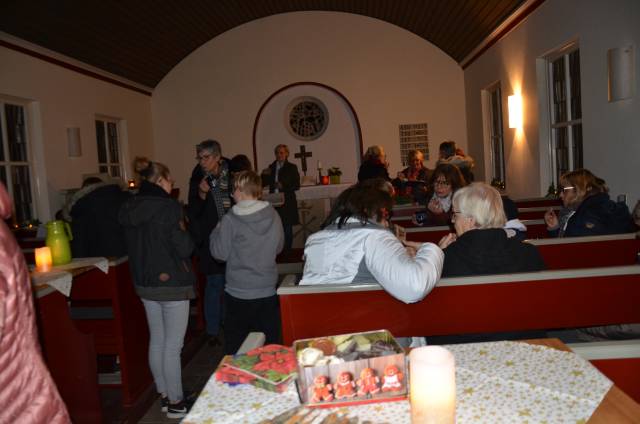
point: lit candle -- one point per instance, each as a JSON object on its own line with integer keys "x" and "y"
{"x": 319, "y": 165}
{"x": 433, "y": 385}
{"x": 132, "y": 184}
{"x": 43, "y": 259}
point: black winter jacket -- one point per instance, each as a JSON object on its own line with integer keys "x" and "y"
{"x": 598, "y": 215}
{"x": 159, "y": 250}
{"x": 482, "y": 252}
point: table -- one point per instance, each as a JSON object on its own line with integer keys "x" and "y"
{"x": 615, "y": 406}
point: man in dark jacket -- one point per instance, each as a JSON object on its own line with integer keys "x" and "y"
{"x": 93, "y": 214}
{"x": 282, "y": 177}
{"x": 209, "y": 200}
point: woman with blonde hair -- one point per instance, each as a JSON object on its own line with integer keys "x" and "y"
{"x": 590, "y": 211}
{"x": 481, "y": 245}
{"x": 160, "y": 259}
{"x": 374, "y": 164}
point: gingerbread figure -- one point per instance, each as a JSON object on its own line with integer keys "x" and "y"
{"x": 321, "y": 389}
{"x": 392, "y": 379}
{"x": 368, "y": 382}
{"x": 345, "y": 387}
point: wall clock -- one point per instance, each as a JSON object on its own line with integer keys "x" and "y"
{"x": 307, "y": 118}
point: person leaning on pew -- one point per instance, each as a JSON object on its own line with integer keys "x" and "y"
{"x": 356, "y": 246}
{"x": 481, "y": 244}
{"x": 588, "y": 209}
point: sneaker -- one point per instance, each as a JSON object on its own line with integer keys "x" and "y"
{"x": 164, "y": 403}
{"x": 177, "y": 410}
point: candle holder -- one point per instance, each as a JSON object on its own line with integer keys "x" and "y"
{"x": 43, "y": 259}
{"x": 319, "y": 175}
{"x": 324, "y": 179}
{"x": 433, "y": 385}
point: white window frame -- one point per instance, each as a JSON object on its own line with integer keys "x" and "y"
{"x": 490, "y": 155}
{"x": 7, "y": 162}
{"x": 564, "y": 53}
{"x": 119, "y": 125}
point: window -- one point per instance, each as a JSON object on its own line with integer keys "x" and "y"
{"x": 566, "y": 112}
{"x": 495, "y": 135}
{"x": 108, "y": 147}
{"x": 413, "y": 137}
{"x": 15, "y": 164}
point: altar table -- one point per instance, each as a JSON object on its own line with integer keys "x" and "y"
{"x": 510, "y": 382}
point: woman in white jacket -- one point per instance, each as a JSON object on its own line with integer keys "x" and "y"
{"x": 356, "y": 246}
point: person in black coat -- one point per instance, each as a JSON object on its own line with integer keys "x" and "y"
{"x": 209, "y": 200}
{"x": 374, "y": 165}
{"x": 481, "y": 245}
{"x": 282, "y": 177}
{"x": 589, "y": 211}
{"x": 93, "y": 214}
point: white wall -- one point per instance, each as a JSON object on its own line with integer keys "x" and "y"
{"x": 388, "y": 74}
{"x": 611, "y": 131}
{"x": 59, "y": 98}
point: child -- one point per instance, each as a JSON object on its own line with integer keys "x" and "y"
{"x": 248, "y": 238}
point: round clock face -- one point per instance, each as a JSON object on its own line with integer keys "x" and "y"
{"x": 307, "y": 118}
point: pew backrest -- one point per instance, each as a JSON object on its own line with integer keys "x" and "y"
{"x": 478, "y": 304}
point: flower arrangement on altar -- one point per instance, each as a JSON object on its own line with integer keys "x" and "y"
{"x": 334, "y": 174}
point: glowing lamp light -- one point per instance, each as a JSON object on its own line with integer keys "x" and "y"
{"x": 131, "y": 184}
{"x": 43, "y": 259}
{"x": 433, "y": 385}
{"x": 515, "y": 111}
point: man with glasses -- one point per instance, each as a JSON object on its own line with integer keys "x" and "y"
{"x": 209, "y": 200}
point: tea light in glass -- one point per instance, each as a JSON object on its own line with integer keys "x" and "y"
{"x": 43, "y": 259}
{"x": 433, "y": 385}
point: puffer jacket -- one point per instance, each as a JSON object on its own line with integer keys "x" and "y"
{"x": 598, "y": 215}
{"x": 27, "y": 391}
{"x": 371, "y": 253}
{"x": 159, "y": 249}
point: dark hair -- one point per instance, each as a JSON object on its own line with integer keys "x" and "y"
{"x": 240, "y": 163}
{"x": 150, "y": 171}
{"x": 451, "y": 173}
{"x": 360, "y": 202}
{"x": 448, "y": 148}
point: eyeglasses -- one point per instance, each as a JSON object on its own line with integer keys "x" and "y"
{"x": 443, "y": 183}
{"x": 203, "y": 157}
{"x": 565, "y": 189}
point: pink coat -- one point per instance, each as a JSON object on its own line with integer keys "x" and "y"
{"x": 27, "y": 391}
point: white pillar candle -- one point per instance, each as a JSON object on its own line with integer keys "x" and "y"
{"x": 319, "y": 165}
{"x": 43, "y": 259}
{"x": 433, "y": 385}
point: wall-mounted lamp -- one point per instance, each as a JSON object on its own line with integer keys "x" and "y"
{"x": 74, "y": 144}
{"x": 621, "y": 73}
{"x": 515, "y": 111}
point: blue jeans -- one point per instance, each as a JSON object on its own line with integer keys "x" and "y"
{"x": 213, "y": 303}
{"x": 167, "y": 327}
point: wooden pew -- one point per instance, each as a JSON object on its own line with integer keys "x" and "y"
{"x": 479, "y": 304}
{"x": 536, "y": 228}
{"x": 70, "y": 356}
{"x": 535, "y": 213}
{"x": 589, "y": 252}
{"x": 538, "y": 202}
{"x": 125, "y": 334}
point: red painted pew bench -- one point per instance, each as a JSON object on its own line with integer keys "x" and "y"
{"x": 589, "y": 252}
{"x": 124, "y": 333}
{"x": 538, "y": 202}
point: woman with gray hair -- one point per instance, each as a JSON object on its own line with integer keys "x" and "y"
{"x": 481, "y": 245}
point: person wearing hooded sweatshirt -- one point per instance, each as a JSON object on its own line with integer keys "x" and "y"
{"x": 160, "y": 261}
{"x": 248, "y": 238}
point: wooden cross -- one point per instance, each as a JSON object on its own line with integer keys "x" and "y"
{"x": 303, "y": 155}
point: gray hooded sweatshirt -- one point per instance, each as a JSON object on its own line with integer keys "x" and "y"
{"x": 248, "y": 238}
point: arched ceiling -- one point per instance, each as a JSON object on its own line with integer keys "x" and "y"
{"x": 142, "y": 40}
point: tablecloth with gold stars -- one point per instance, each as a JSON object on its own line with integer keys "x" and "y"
{"x": 498, "y": 382}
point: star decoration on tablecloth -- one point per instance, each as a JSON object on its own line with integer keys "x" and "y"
{"x": 581, "y": 421}
{"x": 524, "y": 412}
{"x": 378, "y": 408}
{"x": 577, "y": 373}
{"x": 482, "y": 352}
{"x": 256, "y": 405}
{"x": 509, "y": 363}
{"x": 468, "y": 391}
